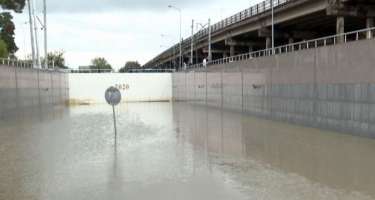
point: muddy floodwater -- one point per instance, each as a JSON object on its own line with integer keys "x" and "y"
{"x": 177, "y": 151}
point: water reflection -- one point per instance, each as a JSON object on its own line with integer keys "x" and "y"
{"x": 178, "y": 151}
{"x": 270, "y": 160}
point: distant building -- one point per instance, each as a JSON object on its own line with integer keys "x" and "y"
{"x": 84, "y": 68}
{"x": 91, "y": 69}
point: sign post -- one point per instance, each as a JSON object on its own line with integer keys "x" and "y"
{"x": 113, "y": 98}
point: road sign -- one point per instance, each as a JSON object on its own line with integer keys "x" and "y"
{"x": 113, "y": 96}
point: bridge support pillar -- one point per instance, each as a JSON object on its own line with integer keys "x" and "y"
{"x": 291, "y": 41}
{"x": 340, "y": 28}
{"x": 232, "y": 50}
{"x": 370, "y": 22}
{"x": 224, "y": 54}
{"x": 250, "y": 48}
{"x": 268, "y": 43}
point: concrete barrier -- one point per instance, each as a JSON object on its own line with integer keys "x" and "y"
{"x": 26, "y": 89}
{"x": 135, "y": 87}
{"x": 329, "y": 87}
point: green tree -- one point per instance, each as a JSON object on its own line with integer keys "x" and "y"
{"x": 56, "y": 59}
{"x": 3, "y": 49}
{"x": 7, "y": 31}
{"x": 7, "y": 26}
{"x": 100, "y": 64}
{"x": 130, "y": 65}
{"x": 15, "y": 5}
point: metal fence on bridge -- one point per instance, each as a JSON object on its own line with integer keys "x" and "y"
{"x": 255, "y": 10}
{"x": 362, "y": 34}
{"x": 245, "y": 14}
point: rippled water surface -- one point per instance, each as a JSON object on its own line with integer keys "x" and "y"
{"x": 177, "y": 151}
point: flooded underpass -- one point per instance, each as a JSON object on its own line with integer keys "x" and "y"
{"x": 178, "y": 151}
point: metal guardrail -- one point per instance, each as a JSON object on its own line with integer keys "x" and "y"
{"x": 362, "y": 34}
{"x": 257, "y": 9}
{"x": 29, "y": 65}
{"x": 16, "y": 63}
{"x": 77, "y": 71}
{"x": 25, "y": 64}
{"x": 152, "y": 71}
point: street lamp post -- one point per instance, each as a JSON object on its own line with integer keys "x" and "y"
{"x": 174, "y": 52}
{"x": 180, "y": 12}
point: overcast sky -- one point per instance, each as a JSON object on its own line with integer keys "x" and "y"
{"x": 119, "y": 30}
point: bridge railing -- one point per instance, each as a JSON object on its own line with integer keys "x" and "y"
{"x": 362, "y": 34}
{"x": 257, "y": 9}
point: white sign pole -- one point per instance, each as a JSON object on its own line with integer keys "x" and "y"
{"x": 113, "y": 97}
{"x": 114, "y": 123}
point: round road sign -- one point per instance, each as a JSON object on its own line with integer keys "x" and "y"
{"x": 113, "y": 96}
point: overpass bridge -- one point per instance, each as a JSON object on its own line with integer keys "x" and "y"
{"x": 250, "y": 30}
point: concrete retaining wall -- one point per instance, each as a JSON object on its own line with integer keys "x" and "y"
{"x": 330, "y": 87}
{"x": 135, "y": 87}
{"x": 24, "y": 89}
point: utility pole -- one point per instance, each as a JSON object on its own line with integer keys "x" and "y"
{"x": 36, "y": 37}
{"x": 45, "y": 34}
{"x": 192, "y": 43}
{"x": 209, "y": 57}
{"x": 273, "y": 28}
{"x": 31, "y": 33}
{"x": 209, "y": 41}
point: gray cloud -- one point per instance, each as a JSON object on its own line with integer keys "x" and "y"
{"x": 82, "y": 6}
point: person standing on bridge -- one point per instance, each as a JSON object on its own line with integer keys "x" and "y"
{"x": 205, "y": 63}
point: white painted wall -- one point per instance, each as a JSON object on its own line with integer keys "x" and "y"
{"x": 135, "y": 87}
